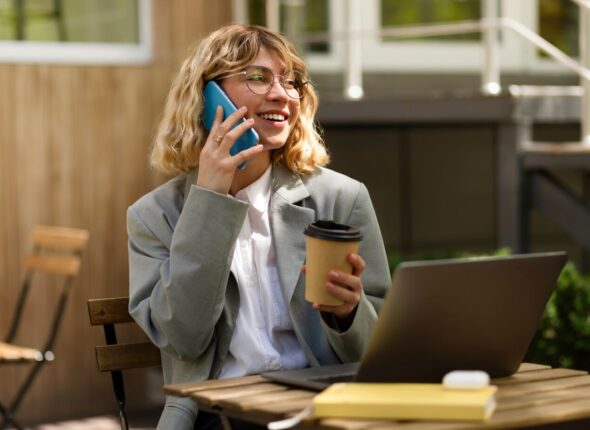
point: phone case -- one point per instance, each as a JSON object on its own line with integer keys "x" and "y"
{"x": 214, "y": 96}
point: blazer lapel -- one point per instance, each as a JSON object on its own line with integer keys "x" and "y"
{"x": 287, "y": 223}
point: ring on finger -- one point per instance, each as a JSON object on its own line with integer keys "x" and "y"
{"x": 218, "y": 138}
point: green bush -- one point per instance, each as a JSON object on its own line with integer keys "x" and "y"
{"x": 563, "y": 336}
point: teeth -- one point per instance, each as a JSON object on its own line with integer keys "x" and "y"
{"x": 273, "y": 116}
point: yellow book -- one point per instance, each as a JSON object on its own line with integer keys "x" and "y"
{"x": 405, "y": 401}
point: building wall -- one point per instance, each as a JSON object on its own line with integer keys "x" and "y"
{"x": 73, "y": 152}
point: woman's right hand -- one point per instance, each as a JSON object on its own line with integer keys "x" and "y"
{"x": 216, "y": 165}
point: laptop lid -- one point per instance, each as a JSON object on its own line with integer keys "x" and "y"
{"x": 461, "y": 314}
{"x": 444, "y": 315}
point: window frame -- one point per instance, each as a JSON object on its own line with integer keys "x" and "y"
{"x": 85, "y": 53}
{"x": 333, "y": 60}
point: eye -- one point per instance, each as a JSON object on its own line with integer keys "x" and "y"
{"x": 259, "y": 75}
{"x": 255, "y": 77}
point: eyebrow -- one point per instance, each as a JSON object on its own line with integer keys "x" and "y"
{"x": 266, "y": 67}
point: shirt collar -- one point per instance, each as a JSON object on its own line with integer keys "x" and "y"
{"x": 258, "y": 192}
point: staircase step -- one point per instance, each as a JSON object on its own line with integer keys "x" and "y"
{"x": 558, "y": 155}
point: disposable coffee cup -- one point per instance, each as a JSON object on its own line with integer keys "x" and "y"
{"x": 328, "y": 246}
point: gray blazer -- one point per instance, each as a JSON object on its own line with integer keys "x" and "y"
{"x": 183, "y": 295}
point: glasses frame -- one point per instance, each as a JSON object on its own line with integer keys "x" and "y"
{"x": 281, "y": 80}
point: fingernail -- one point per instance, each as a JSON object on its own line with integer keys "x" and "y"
{"x": 334, "y": 274}
{"x": 243, "y": 109}
{"x": 250, "y": 120}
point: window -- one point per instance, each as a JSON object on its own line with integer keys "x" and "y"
{"x": 558, "y": 23}
{"x": 75, "y": 31}
{"x": 296, "y": 17}
{"x": 555, "y": 20}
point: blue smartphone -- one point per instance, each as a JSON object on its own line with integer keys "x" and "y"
{"x": 214, "y": 96}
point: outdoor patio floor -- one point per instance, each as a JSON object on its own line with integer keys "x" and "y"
{"x": 146, "y": 420}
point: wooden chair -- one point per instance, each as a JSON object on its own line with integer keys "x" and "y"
{"x": 56, "y": 251}
{"x": 114, "y": 356}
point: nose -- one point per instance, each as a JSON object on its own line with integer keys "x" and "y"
{"x": 277, "y": 92}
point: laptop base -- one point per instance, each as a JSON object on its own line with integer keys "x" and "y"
{"x": 315, "y": 378}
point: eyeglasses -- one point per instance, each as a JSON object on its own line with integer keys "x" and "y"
{"x": 260, "y": 80}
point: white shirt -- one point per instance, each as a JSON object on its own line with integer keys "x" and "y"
{"x": 263, "y": 338}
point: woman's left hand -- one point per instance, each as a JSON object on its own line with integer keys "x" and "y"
{"x": 345, "y": 286}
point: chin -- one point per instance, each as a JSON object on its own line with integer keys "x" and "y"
{"x": 273, "y": 142}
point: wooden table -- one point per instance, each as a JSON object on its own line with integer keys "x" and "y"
{"x": 535, "y": 396}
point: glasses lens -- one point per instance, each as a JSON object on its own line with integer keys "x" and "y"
{"x": 259, "y": 79}
{"x": 293, "y": 85}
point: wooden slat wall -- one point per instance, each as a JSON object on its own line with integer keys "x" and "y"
{"x": 73, "y": 152}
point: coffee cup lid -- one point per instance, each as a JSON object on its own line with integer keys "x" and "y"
{"x": 330, "y": 230}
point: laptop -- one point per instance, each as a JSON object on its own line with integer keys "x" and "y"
{"x": 438, "y": 316}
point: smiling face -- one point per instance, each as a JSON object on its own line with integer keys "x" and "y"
{"x": 274, "y": 113}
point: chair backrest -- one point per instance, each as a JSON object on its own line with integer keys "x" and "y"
{"x": 115, "y": 356}
{"x": 57, "y": 251}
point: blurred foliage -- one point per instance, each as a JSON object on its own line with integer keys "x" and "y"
{"x": 563, "y": 336}
{"x": 408, "y": 12}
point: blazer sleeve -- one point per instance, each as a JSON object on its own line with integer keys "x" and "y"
{"x": 349, "y": 345}
{"x": 179, "y": 273}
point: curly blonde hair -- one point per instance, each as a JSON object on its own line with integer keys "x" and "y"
{"x": 181, "y": 133}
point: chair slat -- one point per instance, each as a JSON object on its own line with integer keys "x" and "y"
{"x": 68, "y": 265}
{"x": 127, "y": 356}
{"x": 109, "y": 311}
{"x": 60, "y": 238}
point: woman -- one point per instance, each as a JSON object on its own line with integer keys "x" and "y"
{"x": 216, "y": 254}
